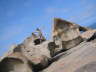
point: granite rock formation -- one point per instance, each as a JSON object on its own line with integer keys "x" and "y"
{"x": 69, "y": 50}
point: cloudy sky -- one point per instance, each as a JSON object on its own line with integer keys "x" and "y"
{"x": 19, "y": 18}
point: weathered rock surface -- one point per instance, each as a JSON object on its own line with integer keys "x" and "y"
{"x": 81, "y": 58}
{"x": 15, "y": 62}
{"x": 88, "y": 34}
{"x": 70, "y": 50}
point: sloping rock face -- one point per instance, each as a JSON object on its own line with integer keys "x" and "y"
{"x": 70, "y": 50}
{"x": 15, "y": 62}
{"x": 81, "y": 58}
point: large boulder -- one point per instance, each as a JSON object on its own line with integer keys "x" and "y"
{"x": 27, "y": 55}
{"x": 81, "y": 58}
{"x": 15, "y": 62}
{"x": 66, "y": 34}
{"x": 86, "y": 35}
{"x": 37, "y": 54}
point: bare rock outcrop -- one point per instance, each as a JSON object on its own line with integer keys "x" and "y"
{"x": 72, "y": 49}
{"x": 76, "y": 59}
{"x": 15, "y": 62}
